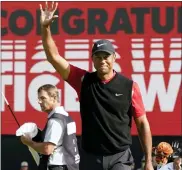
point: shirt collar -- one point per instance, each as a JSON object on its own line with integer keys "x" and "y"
{"x": 58, "y": 109}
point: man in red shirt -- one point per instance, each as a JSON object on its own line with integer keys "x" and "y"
{"x": 108, "y": 101}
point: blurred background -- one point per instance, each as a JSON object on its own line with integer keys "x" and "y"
{"x": 147, "y": 37}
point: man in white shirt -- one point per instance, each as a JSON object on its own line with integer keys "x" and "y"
{"x": 58, "y": 145}
{"x": 176, "y": 165}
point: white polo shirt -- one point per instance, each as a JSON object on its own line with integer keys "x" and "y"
{"x": 169, "y": 166}
{"x": 54, "y": 134}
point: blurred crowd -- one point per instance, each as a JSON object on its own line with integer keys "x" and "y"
{"x": 24, "y": 165}
{"x": 165, "y": 156}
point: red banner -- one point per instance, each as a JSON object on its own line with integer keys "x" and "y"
{"x": 147, "y": 38}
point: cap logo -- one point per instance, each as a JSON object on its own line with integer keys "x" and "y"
{"x": 101, "y": 44}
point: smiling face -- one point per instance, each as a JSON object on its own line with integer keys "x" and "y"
{"x": 103, "y": 62}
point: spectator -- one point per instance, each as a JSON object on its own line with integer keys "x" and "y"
{"x": 176, "y": 165}
{"x": 161, "y": 153}
{"x": 24, "y": 165}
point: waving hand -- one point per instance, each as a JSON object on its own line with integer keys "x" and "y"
{"x": 47, "y": 15}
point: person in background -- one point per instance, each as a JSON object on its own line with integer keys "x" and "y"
{"x": 58, "y": 147}
{"x": 24, "y": 165}
{"x": 177, "y": 155}
{"x": 178, "y": 163}
{"x": 175, "y": 165}
{"x": 161, "y": 153}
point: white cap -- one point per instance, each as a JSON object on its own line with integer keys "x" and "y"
{"x": 24, "y": 163}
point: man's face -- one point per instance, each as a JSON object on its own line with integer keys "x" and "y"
{"x": 46, "y": 102}
{"x": 103, "y": 62}
{"x": 160, "y": 159}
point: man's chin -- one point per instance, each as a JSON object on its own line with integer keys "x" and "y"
{"x": 103, "y": 71}
{"x": 45, "y": 110}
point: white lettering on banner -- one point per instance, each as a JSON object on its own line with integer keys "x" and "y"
{"x": 175, "y": 55}
{"x": 166, "y": 95}
{"x": 19, "y": 93}
{"x": 6, "y": 66}
{"x": 71, "y": 101}
{"x": 6, "y": 80}
{"x": 75, "y": 49}
{"x": 14, "y": 50}
{"x": 40, "y": 54}
{"x": 77, "y": 52}
{"x": 40, "y": 67}
{"x": 43, "y": 65}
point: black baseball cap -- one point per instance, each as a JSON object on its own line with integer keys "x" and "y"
{"x": 103, "y": 45}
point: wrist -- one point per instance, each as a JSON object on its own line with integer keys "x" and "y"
{"x": 148, "y": 160}
{"x": 30, "y": 143}
{"x": 45, "y": 26}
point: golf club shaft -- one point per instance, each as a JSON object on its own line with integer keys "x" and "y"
{"x": 10, "y": 109}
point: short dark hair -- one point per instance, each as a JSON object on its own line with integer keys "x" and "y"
{"x": 50, "y": 89}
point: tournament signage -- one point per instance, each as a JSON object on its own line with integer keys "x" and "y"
{"x": 146, "y": 36}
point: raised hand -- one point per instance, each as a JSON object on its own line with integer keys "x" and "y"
{"x": 47, "y": 15}
{"x": 176, "y": 149}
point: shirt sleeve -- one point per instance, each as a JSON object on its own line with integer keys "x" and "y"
{"x": 54, "y": 132}
{"x": 75, "y": 78}
{"x": 137, "y": 102}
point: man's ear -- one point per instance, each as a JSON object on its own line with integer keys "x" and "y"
{"x": 114, "y": 56}
{"x": 55, "y": 97}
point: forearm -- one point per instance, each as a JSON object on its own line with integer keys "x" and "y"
{"x": 39, "y": 147}
{"x": 146, "y": 140}
{"x": 49, "y": 44}
{"x": 58, "y": 62}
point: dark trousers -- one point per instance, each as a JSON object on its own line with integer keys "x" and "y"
{"x": 44, "y": 166}
{"x": 119, "y": 161}
{"x": 57, "y": 167}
